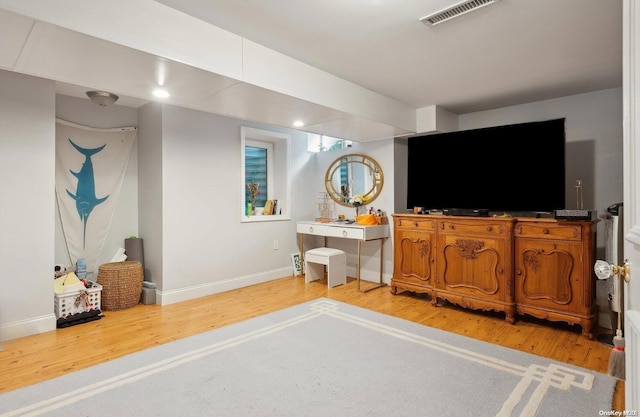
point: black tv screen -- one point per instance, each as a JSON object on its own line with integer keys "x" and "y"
{"x": 512, "y": 168}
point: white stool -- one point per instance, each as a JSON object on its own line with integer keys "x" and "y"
{"x": 334, "y": 259}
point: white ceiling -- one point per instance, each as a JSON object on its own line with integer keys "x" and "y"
{"x": 513, "y": 52}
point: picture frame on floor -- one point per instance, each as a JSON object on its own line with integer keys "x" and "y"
{"x": 296, "y": 263}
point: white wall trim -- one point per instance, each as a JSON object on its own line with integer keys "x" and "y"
{"x": 632, "y": 396}
{"x": 28, "y": 327}
{"x": 631, "y": 179}
{"x": 197, "y": 291}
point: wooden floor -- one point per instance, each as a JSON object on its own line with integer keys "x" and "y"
{"x": 37, "y": 358}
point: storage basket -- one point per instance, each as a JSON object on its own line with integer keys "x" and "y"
{"x": 76, "y": 302}
{"x": 121, "y": 284}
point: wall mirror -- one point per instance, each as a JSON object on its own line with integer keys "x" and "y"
{"x": 353, "y": 174}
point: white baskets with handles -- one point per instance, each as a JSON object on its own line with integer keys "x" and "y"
{"x": 76, "y": 302}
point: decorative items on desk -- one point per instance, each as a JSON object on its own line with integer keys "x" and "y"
{"x": 357, "y": 201}
{"x": 367, "y": 220}
{"x": 325, "y": 208}
{"x": 374, "y": 217}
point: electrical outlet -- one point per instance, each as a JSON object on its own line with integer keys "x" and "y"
{"x": 276, "y": 245}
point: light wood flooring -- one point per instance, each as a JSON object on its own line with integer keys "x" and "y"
{"x": 40, "y": 357}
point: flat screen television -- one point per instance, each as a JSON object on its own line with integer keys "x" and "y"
{"x": 512, "y": 168}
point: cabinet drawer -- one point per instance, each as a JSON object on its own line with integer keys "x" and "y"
{"x": 549, "y": 231}
{"x": 472, "y": 227}
{"x": 415, "y": 224}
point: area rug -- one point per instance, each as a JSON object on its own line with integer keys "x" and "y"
{"x": 321, "y": 358}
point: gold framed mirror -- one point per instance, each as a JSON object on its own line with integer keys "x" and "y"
{"x": 351, "y": 175}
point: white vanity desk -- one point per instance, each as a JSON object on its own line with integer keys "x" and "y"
{"x": 343, "y": 230}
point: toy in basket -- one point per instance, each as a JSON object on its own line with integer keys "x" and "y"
{"x": 76, "y": 301}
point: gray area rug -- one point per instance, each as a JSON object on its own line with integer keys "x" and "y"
{"x": 321, "y": 358}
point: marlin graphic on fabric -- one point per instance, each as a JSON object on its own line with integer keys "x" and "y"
{"x": 85, "y": 196}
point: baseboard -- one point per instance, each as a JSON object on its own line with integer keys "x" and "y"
{"x": 47, "y": 323}
{"x": 29, "y": 327}
{"x": 197, "y": 291}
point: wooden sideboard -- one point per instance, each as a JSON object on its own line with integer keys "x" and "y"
{"x": 517, "y": 265}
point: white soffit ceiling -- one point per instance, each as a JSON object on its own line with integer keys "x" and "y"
{"x": 345, "y": 73}
{"x": 78, "y": 59}
{"x": 513, "y": 52}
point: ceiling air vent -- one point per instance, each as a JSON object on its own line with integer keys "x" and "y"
{"x": 454, "y": 11}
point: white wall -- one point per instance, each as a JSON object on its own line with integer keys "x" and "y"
{"x": 150, "y": 209}
{"x": 27, "y": 196}
{"x": 205, "y": 247}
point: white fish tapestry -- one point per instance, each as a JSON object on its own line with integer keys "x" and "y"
{"x": 90, "y": 167}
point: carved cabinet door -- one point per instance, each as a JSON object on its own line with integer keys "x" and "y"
{"x": 472, "y": 266}
{"x": 414, "y": 255}
{"x": 549, "y": 276}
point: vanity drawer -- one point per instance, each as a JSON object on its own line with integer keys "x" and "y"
{"x": 332, "y": 231}
{"x": 549, "y": 231}
{"x": 312, "y": 228}
{"x": 415, "y": 224}
{"x": 346, "y": 231}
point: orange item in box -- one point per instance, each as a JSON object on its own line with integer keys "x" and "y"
{"x": 367, "y": 220}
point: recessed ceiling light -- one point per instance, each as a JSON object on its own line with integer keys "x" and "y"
{"x": 298, "y": 123}
{"x": 160, "y": 93}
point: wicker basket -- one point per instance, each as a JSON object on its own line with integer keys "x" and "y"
{"x": 121, "y": 284}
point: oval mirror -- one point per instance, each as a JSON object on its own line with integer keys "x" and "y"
{"x": 352, "y": 175}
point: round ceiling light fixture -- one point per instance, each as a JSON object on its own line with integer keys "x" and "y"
{"x": 102, "y": 98}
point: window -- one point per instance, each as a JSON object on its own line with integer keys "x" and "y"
{"x": 265, "y": 168}
{"x": 321, "y": 143}
{"x": 256, "y": 169}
